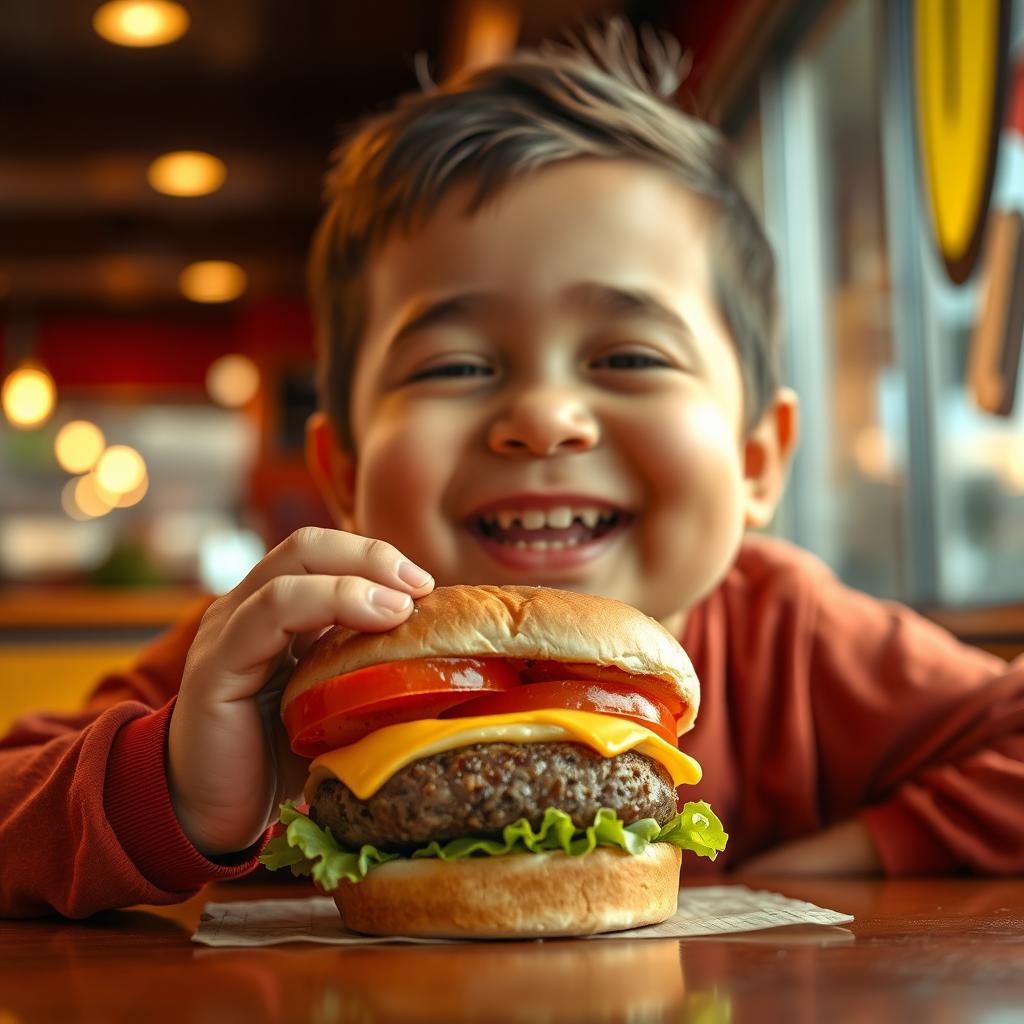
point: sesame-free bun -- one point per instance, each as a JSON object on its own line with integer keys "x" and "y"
{"x": 524, "y": 895}
{"x": 516, "y": 622}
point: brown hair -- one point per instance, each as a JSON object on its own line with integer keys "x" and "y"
{"x": 597, "y": 97}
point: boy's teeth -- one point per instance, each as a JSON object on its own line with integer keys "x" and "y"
{"x": 546, "y": 545}
{"x": 560, "y": 517}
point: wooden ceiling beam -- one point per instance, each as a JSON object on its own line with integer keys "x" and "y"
{"x": 89, "y": 233}
{"x": 74, "y": 114}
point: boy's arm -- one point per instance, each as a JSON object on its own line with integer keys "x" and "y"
{"x": 86, "y": 823}
{"x": 85, "y": 819}
{"x": 920, "y": 740}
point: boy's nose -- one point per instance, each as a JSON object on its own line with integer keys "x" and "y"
{"x": 544, "y": 423}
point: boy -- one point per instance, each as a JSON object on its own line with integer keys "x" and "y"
{"x": 547, "y": 323}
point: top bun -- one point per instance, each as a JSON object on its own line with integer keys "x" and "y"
{"x": 515, "y": 622}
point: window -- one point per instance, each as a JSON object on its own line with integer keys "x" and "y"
{"x": 826, "y": 213}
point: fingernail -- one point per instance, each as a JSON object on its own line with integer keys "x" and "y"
{"x": 389, "y": 600}
{"x": 413, "y": 575}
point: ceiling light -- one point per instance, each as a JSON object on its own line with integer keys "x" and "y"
{"x": 233, "y": 381}
{"x": 186, "y": 172}
{"x": 28, "y": 397}
{"x": 212, "y": 281}
{"x": 140, "y": 22}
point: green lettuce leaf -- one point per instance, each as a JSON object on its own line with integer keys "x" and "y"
{"x": 695, "y": 828}
{"x": 307, "y": 849}
{"x": 310, "y": 850}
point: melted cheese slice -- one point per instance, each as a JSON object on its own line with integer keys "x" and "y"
{"x": 364, "y": 766}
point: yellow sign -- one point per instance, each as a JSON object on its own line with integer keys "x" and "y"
{"x": 960, "y": 66}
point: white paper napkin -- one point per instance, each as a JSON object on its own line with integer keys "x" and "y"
{"x": 709, "y": 910}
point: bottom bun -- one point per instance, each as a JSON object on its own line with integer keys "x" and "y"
{"x": 515, "y": 896}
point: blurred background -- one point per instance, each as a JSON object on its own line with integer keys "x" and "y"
{"x": 160, "y": 176}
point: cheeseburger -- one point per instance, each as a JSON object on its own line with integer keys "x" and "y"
{"x": 503, "y": 764}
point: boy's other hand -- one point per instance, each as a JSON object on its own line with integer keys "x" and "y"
{"x": 843, "y": 849}
{"x": 228, "y": 760}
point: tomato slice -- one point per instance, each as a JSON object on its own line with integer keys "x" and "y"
{"x": 538, "y": 671}
{"x": 575, "y": 695}
{"x": 346, "y": 708}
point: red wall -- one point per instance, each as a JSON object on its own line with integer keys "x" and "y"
{"x": 172, "y": 354}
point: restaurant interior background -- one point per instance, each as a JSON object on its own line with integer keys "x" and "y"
{"x": 157, "y": 356}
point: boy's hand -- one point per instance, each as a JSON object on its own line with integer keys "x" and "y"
{"x": 843, "y": 849}
{"x": 228, "y": 759}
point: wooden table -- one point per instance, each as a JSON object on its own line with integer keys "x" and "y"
{"x": 941, "y": 952}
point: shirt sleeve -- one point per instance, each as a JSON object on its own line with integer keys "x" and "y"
{"x": 919, "y": 735}
{"x": 86, "y": 821}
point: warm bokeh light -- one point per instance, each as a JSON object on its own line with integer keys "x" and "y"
{"x": 1010, "y": 466}
{"x": 69, "y": 503}
{"x": 134, "y": 496}
{"x": 82, "y": 499}
{"x": 873, "y": 454}
{"x": 212, "y": 281}
{"x": 141, "y": 22}
{"x": 28, "y": 397}
{"x": 120, "y": 469}
{"x": 233, "y": 380}
{"x": 187, "y": 172}
{"x": 78, "y": 445}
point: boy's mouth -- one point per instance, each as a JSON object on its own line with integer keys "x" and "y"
{"x": 552, "y": 529}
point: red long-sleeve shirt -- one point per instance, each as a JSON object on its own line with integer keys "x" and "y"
{"x": 817, "y": 704}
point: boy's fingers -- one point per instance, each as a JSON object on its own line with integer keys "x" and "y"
{"x": 315, "y": 552}
{"x": 262, "y": 626}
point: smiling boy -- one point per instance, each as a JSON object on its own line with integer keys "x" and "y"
{"x": 547, "y": 323}
{"x": 556, "y": 353}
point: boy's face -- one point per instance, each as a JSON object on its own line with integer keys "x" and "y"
{"x": 554, "y": 359}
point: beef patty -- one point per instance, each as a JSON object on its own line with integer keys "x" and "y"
{"x": 478, "y": 790}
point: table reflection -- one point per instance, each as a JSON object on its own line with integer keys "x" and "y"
{"x": 941, "y": 950}
{"x": 604, "y": 981}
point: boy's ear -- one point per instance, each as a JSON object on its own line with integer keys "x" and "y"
{"x": 767, "y": 452}
{"x": 333, "y": 469}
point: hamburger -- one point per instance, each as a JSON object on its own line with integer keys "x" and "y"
{"x": 503, "y": 764}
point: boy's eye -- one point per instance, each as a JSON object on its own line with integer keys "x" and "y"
{"x": 449, "y": 370}
{"x": 631, "y": 361}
